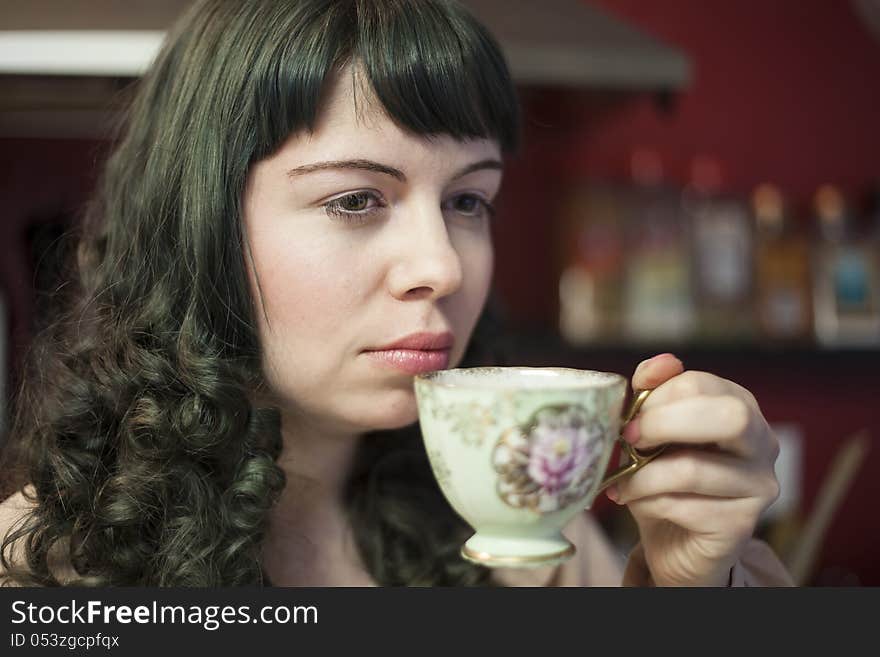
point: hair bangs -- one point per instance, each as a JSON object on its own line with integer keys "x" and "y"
{"x": 306, "y": 44}
{"x": 433, "y": 68}
{"x": 436, "y": 70}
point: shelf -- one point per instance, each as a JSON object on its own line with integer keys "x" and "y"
{"x": 573, "y": 43}
{"x": 544, "y": 348}
{"x": 61, "y": 63}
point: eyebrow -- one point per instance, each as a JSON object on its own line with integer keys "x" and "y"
{"x": 369, "y": 165}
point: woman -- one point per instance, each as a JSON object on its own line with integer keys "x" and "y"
{"x": 301, "y": 185}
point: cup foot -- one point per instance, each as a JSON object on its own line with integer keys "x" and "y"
{"x": 496, "y": 552}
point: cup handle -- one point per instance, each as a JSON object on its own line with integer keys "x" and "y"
{"x": 637, "y": 459}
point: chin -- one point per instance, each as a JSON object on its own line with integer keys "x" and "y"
{"x": 393, "y": 412}
{"x": 394, "y": 421}
{"x": 392, "y": 424}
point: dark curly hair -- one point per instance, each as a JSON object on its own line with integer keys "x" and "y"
{"x": 136, "y": 420}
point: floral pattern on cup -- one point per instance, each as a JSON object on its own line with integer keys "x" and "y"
{"x": 550, "y": 463}
{"x": 472, "y": 421}
{"x": 441, "y": 471}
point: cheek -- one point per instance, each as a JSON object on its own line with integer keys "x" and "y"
{"x": 303, "y": 283}
{"x": 478, "y": 259}
{"x": 307, "y": 294}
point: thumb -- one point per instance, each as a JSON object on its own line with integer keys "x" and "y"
{"x": 652, "y": 372}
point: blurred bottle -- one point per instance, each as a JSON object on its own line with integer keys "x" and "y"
{"x": 658, "y": 305}
{"x": 846, "y": 290}
{"x": 783, "y": 288}
{"x": 722, "y": 242}
{"x": 592, "y": 247}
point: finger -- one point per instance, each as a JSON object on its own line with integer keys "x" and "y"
{"x": 696, "y": 472}
{"x": 723, "y": 421}
{"x": 700, "y": 514}
{"x": 652, "y": 372}
{"x": 694, "y": 382}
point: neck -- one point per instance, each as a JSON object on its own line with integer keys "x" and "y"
{"x": 316, "y": 462}
{"x": 309, "y": 535}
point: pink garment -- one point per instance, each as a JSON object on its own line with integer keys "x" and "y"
{"x": 597, "y": 563}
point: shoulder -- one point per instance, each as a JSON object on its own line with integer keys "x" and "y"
{"x": 760, "y": 566}
{"x": 23, "y": 496}
{"x": 13, "y": 510}
{"x": 15, "y": 507}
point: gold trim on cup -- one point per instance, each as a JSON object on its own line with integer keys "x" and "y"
{"x": 604, "y": 379}
{"x": 486, "y": 559}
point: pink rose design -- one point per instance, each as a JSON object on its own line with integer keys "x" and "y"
{"x": 550, "y": 464}
{"x": 558, "y": 456}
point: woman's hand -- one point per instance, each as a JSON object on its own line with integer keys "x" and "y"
{"x": 697, "y": 504}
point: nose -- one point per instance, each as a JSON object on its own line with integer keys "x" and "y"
{"x": 427, "y": 265}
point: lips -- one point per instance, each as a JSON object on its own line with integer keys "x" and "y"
{"x": 421, "y": 341}
{"x": 416, "y": 353}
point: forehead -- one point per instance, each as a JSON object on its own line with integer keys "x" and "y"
{"x": 351, "y": 121}
{"x": 348, "y": 101}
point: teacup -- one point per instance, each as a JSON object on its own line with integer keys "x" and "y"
{"x": 518, "y": 451}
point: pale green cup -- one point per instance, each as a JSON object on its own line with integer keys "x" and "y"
{"x": 518, "y": 451}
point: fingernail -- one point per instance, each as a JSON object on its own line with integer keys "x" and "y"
{"x": 612, "y": 493}
{"x": 631, "y": 432}
{"x": 664, "y": 355}
{"x": 649, "y": 361}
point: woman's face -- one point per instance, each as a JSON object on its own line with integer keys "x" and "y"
{"x": 363, "y": 234}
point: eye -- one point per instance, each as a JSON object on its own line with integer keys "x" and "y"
{"x": 471, "y": 205}
{"x": 355, "y": 206}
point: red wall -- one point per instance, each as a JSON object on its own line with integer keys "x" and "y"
{"x": 39, "y": 180}
{"x": 785, "y": 91}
